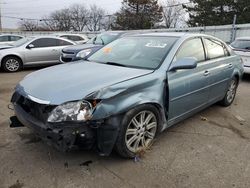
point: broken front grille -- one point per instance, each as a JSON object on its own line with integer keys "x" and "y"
{"x": 36, "y": 110}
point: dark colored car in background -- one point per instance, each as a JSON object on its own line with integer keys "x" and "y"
{"x": 78, "y": 52}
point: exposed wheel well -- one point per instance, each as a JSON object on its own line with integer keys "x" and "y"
{"x": 16, "y": 56}
{"x": 237, "y": 77}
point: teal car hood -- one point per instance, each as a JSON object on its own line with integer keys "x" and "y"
{"x": 74, "y": 81}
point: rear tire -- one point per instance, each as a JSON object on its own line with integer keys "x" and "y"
{"x": 231, "y": 92}
{"x": 139, "y": 127}
{"x": 12, "y": 64}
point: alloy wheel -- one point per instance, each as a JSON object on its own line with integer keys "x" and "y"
{"x": 12, "y": 65}
{"x": 231, "y": 91}
{"x": 141, "y": 131}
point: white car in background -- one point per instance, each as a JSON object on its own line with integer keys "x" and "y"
{"x": 77, "y": 38}
{"x": 241, "y": 46}
{"x": 8, "y": 39}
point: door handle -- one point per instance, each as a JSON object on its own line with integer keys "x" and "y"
{"x": 54, "y": 50}
{"x": 230, "y": 65}
{"x": 206, "y": 73}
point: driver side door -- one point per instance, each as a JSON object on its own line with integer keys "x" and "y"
{"x": 44, "y": 51}
{"x": 188, "y": 91}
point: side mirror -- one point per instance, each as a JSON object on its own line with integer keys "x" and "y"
{"x": 30, "y": 46}
{"x": 184, "y": 63}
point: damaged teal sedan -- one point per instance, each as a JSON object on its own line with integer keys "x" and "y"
{"x": 126, "y": 93}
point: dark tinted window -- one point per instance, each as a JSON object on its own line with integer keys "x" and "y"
{"x": 49, "y": 42}
{"x": 15, "y": 38}
{"x": 241, "y": 44}
{"x": 73, "y": 37}
{"x": 44, "y": 42}
{"x": 192, "y": 48}
{"x": 215, "y": 48}
{"x": 63, "y": 43}
{"x": 4, "y": 38}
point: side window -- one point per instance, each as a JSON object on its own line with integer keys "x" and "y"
{"x": 4, "y": 38}
{"x": 76, "y": 38}
{"x": 15, "y": 38}
{"x": 241, "y": 44}
{"x": 215, "y": 48}
{"x": 72, "y": 37}
{"x": 63, "y": 42}
{"x": 44, "y": 42}
{"x": 192, "y": 48}
{"x": 66, "y": 37}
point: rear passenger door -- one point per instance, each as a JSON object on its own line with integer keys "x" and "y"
{"x": 188, "y": 90}
{"x": 221, "y": 68}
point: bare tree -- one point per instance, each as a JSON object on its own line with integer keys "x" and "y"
{"x": 28, "y": 25}
{"x": 173, "y": 13}
{"x": 79, "y": 17}
{"x": 107, "y": 22}
{"x": 59, "y": 20}
{"x": 95, "y": 17}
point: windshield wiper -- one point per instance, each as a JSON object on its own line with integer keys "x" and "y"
{"x": 116, "y": 64}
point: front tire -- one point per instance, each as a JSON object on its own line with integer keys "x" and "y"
{"x": 138, "y": 130}
{"x": 12, "y": 64}
{"x": 231, "y": 93}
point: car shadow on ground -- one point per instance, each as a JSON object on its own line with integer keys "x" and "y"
{"x": 246, "y": 77}
{"x": 32, "y": 68}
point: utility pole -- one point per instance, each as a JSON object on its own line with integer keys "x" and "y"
{"x": 1, "y": 16}
{"x": 233, "y": 34}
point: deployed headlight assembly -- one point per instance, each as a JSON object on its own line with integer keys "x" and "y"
{"x": 71, "y": 111}
{"x": 82, "y": 54}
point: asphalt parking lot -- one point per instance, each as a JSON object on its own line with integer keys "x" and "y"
{"x": 210, "y": 149}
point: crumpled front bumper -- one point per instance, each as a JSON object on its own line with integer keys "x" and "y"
{"x": 67, "y": 136}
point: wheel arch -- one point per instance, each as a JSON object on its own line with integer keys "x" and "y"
{"x": 159, "y": 108}
{"x": 11, "y": 55}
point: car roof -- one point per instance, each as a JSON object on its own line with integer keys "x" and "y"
{"x": 50, "y": 36}
{"x": 163, "y": 34}
{"x": 176, "y": 34}
{"x": 71, "y": 34}
{"x": 243, "y": 38}
{"x": 10, "y": 35}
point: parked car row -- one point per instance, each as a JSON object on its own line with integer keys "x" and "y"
{"x": 77, "y": 47}
{"x": 241, "y": 46}
{"x": 78, "y": 52}
{"x": 127, "y": 92}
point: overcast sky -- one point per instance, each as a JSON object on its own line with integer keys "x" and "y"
{"x": 36, "y": 9}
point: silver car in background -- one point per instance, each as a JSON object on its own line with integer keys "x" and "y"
{"x": 7, "y": 39}
{"x": 32, "y": 51}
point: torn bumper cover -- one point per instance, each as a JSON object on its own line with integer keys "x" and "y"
{"x": 63, "y": 136}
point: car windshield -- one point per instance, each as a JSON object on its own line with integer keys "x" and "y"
{"x": 137, "y": 52}
{"x": 241, "y": 44}
{"x": 22, "y": 41}
{"x": 103, "y": 39}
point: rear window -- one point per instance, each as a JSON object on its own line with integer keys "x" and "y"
{"x": 241, "y": 44}
{"x": 103, "y": 39}
{"x": 215, "y": 48}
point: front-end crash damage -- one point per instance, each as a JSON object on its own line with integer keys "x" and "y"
{"x": 97, "y": 128}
